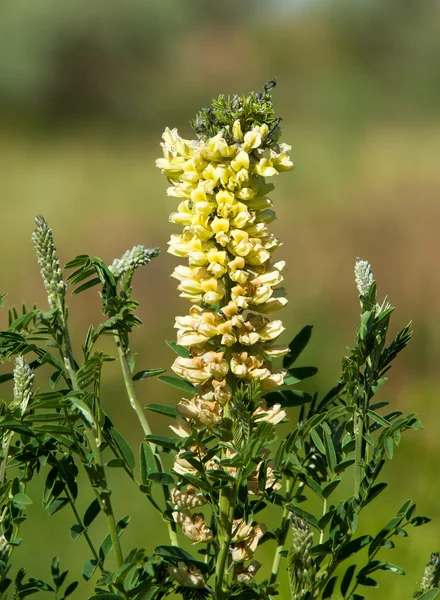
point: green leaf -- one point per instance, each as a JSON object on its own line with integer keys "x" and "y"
{"x": 429, "y": 595}
{"x": 328, "y": 590}
{"x": 107, "y": 543}
{"x": 162, "y": 478}
{"x": 418, "y": 521}
{"x": 312, "y": 520}
{"x": 299, "y": 374}
{"x": 75, "y": 531}
{"x": 115, "y": 462}
{"x": 389, "y": 447}
{"x": 330, "y": 451}
{"x": 344, "y": 464}
{"x": 297, "y": 345}
{"x": 378, "y": 418}
{"x": 179, "y": 350}
{"x": 180, "y": 384}
{"x": 20, "y": 501}
{"x": 330, "y": 488}
{"x": 163, "y": 409}
{"x": 346, "y": 580}
{"x": 89, "y": 568}
{"x": 374, "y": 491}
{"x": 287, "y": 398}
{"x": 148, "y": 373}
{"x": 317, "y": 440}
{"x": 148, "y": 464}
{"x": 92, "y": 512}
{"x": 85, "y": 286}
{"x": 162, "y": 440}
{"x": 106, "y": 597}
{"x": 124, "y": 448}
{"x": 175, "y": 554}
{"x": 353, "y": 547}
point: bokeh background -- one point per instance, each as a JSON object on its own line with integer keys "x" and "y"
{"x": 86, "y": 89}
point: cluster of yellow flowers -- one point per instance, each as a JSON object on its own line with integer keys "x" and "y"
{"x": 232, "y": 282}
{"x": 224, "y": 212}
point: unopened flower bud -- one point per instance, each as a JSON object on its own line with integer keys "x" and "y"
{"x": 23, "y": 380}
{"x": 363, "y": 276}
{"x": 431, "y": 576}
{"x": 49, "y": 264}
{"x": 301, "y": 567}
{"x": 132, "y": 259}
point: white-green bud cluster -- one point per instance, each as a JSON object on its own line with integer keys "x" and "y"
{"x": 363, "y": 275}
{"x": 23, "y": 380}
{"x": 431, "y": 576}
{"x": 49, "y": 264}
{"x": 132, "y": 259}
{"x": 302, "y": 569}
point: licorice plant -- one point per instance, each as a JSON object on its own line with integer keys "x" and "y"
{"x": 229, "y": 459}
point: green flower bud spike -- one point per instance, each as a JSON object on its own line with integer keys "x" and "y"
{"x": 300, "y": 565}
{"x": 132, "y": 259}
{"x": 23, "y": 380}
{"x": 363, "y": 275}
{"x": 431, "y": 576}
{"x": 50, "y": 269}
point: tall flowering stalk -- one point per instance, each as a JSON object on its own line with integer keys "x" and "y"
{"x": 231, "y": 280}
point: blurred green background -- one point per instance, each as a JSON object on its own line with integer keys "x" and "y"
{"x": 86, "y": 89}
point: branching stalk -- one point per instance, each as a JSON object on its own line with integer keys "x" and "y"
{"x": 135, "y": 404}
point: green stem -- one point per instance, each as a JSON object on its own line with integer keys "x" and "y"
{"x": 224, "y": 524}
{"x": 105, "y": 501}
{"x": 136, "y": 406}
{"x": 7, "y": 439}
{"x": 284, "y": 530}
{"x": 81, "y": 524}
{"x": 359, "y": 464}
{"x": 324, "y": 510}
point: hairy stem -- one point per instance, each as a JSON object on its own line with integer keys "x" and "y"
{"x": 135, "y": 404}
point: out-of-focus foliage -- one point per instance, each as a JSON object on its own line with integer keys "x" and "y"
{"x": 124, "y": 60}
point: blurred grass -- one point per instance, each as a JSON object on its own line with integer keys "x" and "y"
{"x": 84, "y": 97}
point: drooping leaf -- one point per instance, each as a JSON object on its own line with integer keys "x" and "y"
{"x": 124, "y": 447}
{"x": 180, "y": 384}
{"x": 297, "y": 345}
{"x": 179, "y": 350}
{"x": 147, "y": 374}
{"x": 162, "y": 409}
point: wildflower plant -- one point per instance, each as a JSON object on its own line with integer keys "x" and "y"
{"x": 237, "y": 385}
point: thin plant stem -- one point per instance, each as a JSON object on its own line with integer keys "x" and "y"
{"x": 324, "y": 510}
{"x": 284, "y": 529}
{"x": 104, "y": 499}
{"x": 358, "y": 430}
{"x": 136, "y": 406}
